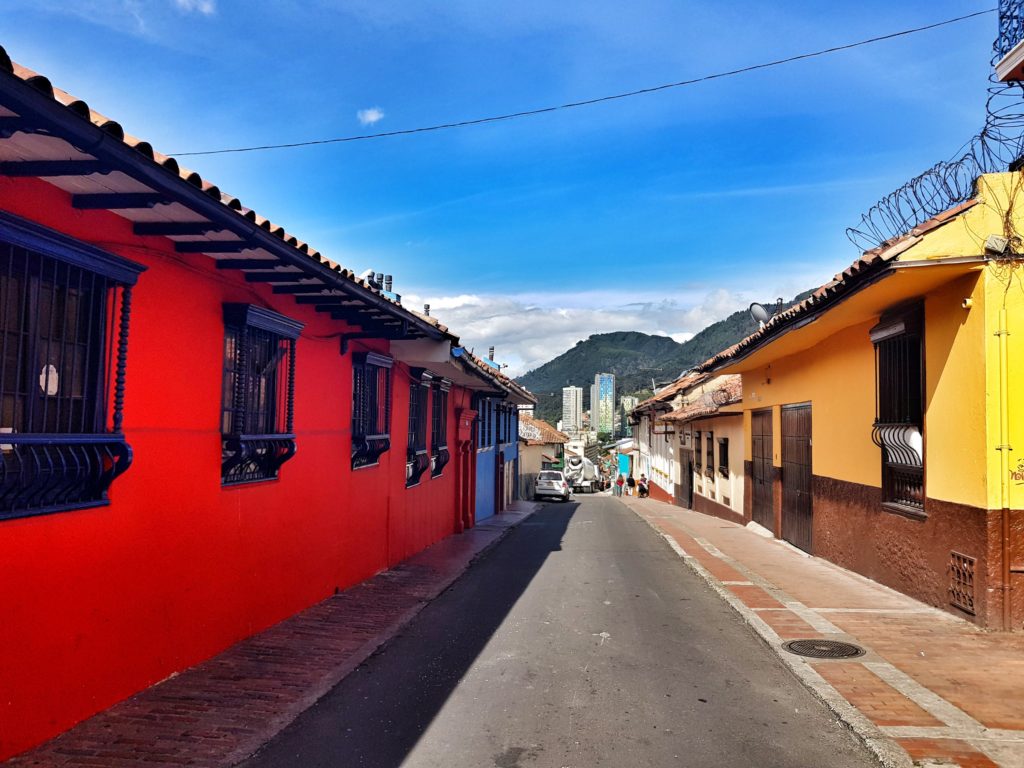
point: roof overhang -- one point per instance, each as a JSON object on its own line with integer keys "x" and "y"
{"x": 898, "y": 282}
{"x": 42, "y": 138}
{"x": 1011, "y": 66}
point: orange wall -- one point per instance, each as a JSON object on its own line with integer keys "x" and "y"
{"x": 99, "y": 603}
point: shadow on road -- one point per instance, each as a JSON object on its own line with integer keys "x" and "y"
{"x": 375, "y": 717}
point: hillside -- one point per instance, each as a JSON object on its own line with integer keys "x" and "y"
{"x": 635, "y": 358}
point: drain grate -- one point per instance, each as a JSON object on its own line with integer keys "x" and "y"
{"x": 823, "y": 649}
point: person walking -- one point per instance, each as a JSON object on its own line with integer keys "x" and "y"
{"x": 619, "y": 482}
{"x": 630, "y": 484}
{"x": 642, "y": 488}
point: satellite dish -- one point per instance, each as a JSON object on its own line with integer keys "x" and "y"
{"x": 760, "y": 314}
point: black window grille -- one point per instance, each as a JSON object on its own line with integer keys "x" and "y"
{"x": 64, "y": 311}
{"x": 258, "y": 396}
{"x": 723, "y": 456}
{"x": 417, "y": 460}
{"x": 698, "y": 448}
{"x": 371, "y": 408}
{"x": 899, "y": 419}
{"x": 439, "y": 455}
{"x": 709, "y": 469}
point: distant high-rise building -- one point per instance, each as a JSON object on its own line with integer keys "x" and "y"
{"x": 602, "y": 403}
{"x": 626, "y": 404}
{"x": 572, "y": 410}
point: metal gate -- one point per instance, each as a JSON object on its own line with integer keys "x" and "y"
{"x": 761, "y": 475}
{"x": 796, "y": 476}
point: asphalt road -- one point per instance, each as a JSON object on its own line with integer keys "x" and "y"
{"x": 582, "y": 640}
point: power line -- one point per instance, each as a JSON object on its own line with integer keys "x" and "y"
{"x": 589, "y": 102}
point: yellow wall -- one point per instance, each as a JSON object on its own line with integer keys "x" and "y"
{"x": 1004, "y": 285}
{"x": 837, "y": 378}
{"x": 955, "y": 394}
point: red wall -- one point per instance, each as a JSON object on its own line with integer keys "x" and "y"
{"x": 99, "y": 603}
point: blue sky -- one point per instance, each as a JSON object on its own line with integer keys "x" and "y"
{"x": 660, "y": 213}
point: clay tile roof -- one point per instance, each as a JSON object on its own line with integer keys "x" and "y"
{"x": 665, "y": 396}
{"x": 548, "y": 434}
{"x": 499, "y": 378}
{"x": 709, "y": 403}
{"x": 114, "y": 129}
{"x": 870, "y": 264}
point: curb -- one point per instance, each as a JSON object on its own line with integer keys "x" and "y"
{"x": 888, "y": 753}
{"x": 370, "y": 647}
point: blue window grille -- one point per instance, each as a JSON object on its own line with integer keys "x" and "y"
{"x": 258, "y": 398}
{"x": 64, "y": 312}
{"x": 371, "y": 408}
{"x": 439, "y": 455}
{"x": 417, "y": 460}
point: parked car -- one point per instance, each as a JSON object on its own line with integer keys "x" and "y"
{"x": 551, "y": 482}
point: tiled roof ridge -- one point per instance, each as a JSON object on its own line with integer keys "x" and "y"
{"x": 114, "y": 129}
{"x": 553, "y": 435}
{"x": 503, "y": 380}
{"x": 870, "y": 262}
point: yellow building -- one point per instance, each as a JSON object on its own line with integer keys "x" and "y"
{"x": 884, "y": 415}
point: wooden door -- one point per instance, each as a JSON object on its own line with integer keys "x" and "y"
{"x": 796, "y": 476}
{"x": 761, "y": 474}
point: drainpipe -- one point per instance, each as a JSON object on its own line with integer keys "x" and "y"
{"x": 1004, "y": 462}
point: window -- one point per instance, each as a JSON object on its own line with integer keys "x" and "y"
{"x": 258, "y": 403}
{"x": 371, "y": 408}
{"x": 709, "y": 468}
{"x": 899, "y": 419}
{"x": 64, "y": 309}
{"x": 698, "y": 446}
{"x": 416, "y": 459}
{"x": 439, "y": 455}
{"x": 723, "y": 456}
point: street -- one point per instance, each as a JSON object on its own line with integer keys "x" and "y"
{"x": 582, "y": 640}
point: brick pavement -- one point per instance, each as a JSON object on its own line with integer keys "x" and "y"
{"x": 219, "y": 712}
{"x": 944, "y": 691}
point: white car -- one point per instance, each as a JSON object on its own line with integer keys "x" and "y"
{"x": 551, "y": 482}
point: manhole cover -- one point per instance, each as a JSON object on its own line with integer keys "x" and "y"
{"x": 823, "y": 649}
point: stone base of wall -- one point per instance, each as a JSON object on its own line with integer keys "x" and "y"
{"x": 706, "y": 506}
{"x": 659, "y": 493}
{"x": 913, "y": 556}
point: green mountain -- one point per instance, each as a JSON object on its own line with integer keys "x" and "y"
{"x": 635, "y": 358}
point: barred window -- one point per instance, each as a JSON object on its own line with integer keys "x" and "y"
{"x": 258, "y": 398}
{"x": 698, "y": 447}
{"x": 64, "y": 310}
{"x": 709, "y": 469}
{"x": 899, "y": 420}
{"x": 439, "y": 454}
{"x": 416, "y": 459}
{"x": 371, "y": 408}
{"x": 723, "y": 456}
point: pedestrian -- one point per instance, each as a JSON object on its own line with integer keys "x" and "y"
{"x": 642, "y": 487}
{"x": 630, "y": 484}
{"x": 619, "y": 482}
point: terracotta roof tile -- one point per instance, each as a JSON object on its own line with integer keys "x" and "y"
{"x": 730, "y": 391}
{"x": 113, "y": 128}
{"x": 548, "y": 434}
{"x": 867, "y": 266}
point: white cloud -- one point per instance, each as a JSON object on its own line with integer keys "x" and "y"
{"x": 370, "y": 116}
{"x": 205, "y": 7}
{"x": 527, "y": 330}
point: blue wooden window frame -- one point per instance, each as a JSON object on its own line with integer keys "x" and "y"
{"x": 64, "y": 317}
{"x": 257, "y": 431}
{"x": 371, "y": 408}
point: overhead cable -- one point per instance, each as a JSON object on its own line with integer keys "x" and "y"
{"x": 590, "y": 102}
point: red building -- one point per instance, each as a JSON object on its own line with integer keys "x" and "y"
{"x": 205, "y": 425}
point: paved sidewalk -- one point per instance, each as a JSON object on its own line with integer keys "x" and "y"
{"x": 219, "y": 712}
{"x": 942, "y": 690}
